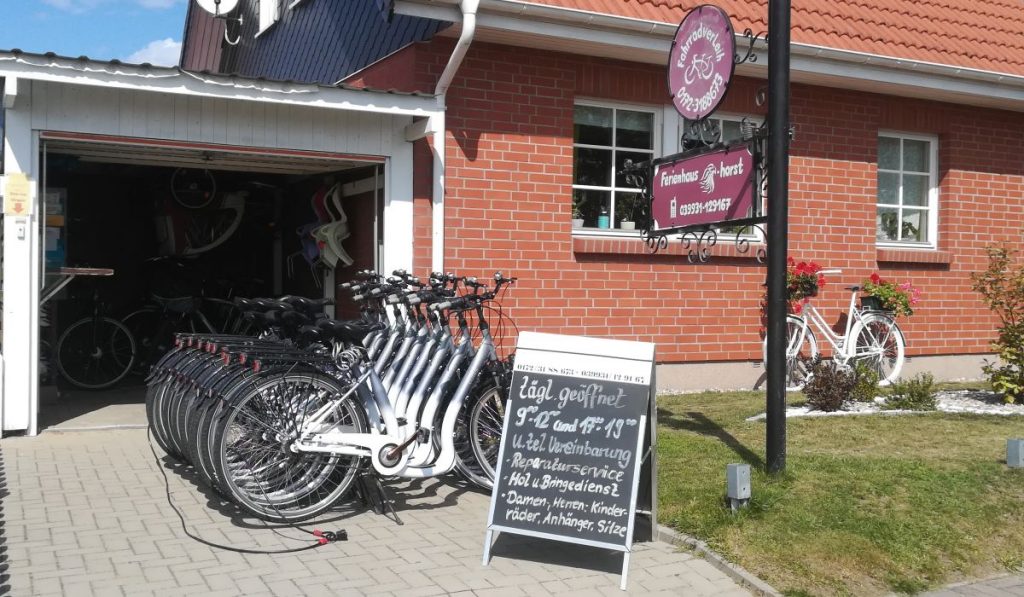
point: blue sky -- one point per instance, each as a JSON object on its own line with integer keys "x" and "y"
{"x": 136, "y": 30}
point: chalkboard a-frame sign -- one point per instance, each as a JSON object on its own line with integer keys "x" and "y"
{"x": 574, "y": 439}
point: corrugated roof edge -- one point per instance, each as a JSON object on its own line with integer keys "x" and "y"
{"x": 16, "y": 52}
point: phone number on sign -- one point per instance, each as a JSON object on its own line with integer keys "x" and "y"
{"x": 701, "y": 207}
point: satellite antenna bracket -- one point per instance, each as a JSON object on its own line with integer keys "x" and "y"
{"x": 220, "y": 10}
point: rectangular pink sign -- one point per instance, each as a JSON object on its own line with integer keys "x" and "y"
{"x": 704, "y": 189}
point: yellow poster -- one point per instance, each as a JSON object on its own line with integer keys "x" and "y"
{"x": 17, "y": 195}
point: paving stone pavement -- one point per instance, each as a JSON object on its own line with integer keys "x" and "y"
{"x": 1011, "y": 585}
{"x": 86, "y": 513}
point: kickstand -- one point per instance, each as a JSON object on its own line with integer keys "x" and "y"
{"x": 375, "y": 496}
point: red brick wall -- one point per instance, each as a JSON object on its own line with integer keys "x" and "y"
{"x": 508, "y": 207}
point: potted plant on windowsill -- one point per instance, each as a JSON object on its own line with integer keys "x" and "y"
{"x": 577, "y": 214}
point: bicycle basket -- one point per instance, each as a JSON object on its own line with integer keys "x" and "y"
{"x": 871, "y": 303}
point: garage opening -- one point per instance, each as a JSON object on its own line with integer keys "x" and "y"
{"x": 144, "y": 239}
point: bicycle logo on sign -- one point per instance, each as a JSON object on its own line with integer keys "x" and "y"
{"x": 701, "y": 67}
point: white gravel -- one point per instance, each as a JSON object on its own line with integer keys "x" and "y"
{"x": 977, "y": 402}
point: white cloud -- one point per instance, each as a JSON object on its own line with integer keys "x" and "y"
{"x": 162, "y": 52}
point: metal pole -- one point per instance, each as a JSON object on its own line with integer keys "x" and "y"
{"x": 778, "y": 211}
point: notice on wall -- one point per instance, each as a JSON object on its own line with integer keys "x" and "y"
{"x": 573, "y": 440}
{"x": 17, "y": 191}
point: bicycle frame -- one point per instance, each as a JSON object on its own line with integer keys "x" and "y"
{"x": 840, "y": 344}
{"x": 402, "y": 417}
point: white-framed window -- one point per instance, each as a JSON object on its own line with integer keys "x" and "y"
{"x": 605, "y": 135}
{"x": 908, "y": 192}
{"x": 730, "y": 124}
{"x": 269, "y": 12}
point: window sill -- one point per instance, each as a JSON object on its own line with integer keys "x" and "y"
{"x": 897, "y": 255}
{"x": 632, "y": 244}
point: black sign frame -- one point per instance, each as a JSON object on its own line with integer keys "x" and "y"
{"x": 584, "y": 360}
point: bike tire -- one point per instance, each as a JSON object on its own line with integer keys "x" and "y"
{"x": 485, "y": 426}
{"x": 270, "y": 490}
{"x": 801, "y": 349}
{"x": 879, "y": 343}
{"x": 85, "y": 353}
{"x": 189, "y": 193}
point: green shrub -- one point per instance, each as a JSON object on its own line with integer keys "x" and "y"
{"x": 830, "y": 385}
{"x": 1001, "y": 286}
{"x": 866, "y": 388}
{"x": 916, "y": 393}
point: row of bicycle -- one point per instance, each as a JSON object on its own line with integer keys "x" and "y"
{"x": 284, "y": 422}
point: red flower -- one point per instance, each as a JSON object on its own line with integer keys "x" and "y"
{"x": 797, "y": 308}
{"x": 789, "y": 261}
{"x": 821, "y": 281}
{"x": 801, "y": 268}
{"x": 876, "y": 279}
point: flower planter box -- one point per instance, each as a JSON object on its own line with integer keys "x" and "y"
{"x": 871, "y": 303}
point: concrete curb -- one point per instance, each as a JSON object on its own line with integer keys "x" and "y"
{"x": 735, "y": 572}
{"x": 94, "y": 428}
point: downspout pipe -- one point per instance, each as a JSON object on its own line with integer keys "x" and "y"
{"x": 469, "y": 9}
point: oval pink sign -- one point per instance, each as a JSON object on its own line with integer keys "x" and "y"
{"x": 700, "y": 64}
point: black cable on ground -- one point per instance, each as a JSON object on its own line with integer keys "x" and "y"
{"x": 323, "y": 537}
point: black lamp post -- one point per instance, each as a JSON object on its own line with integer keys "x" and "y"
{"x": 778, "y": 233}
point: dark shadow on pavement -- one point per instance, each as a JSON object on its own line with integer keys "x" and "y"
{"x": 401, "y": 492}
{"x": 558, "y": 553}
{"x": 346, "y": 508}
{"x": 698, "y": 423}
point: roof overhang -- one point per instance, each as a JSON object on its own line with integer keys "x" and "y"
{"x": 175, "y": 81}
{"x": 513, "y": 22}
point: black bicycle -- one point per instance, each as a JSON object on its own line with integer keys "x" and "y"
{"x": 96, "y": 351}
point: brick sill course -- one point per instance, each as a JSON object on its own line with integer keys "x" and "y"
{"x": 914, "y": 256}
{"x": 726, "y": 247}
{"x": 633, "y": 245}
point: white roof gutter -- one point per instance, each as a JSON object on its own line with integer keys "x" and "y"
{"x": 174, "y": 81}
{"x": 438, "y": 127}
{"x": 649, "y": 41}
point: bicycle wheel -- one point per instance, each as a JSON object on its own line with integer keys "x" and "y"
{"x": 801, "y": 349}
{"x": 254, "y": 456}
{"x": 878, "y": 342}
{"x": 486, "y": 422}
{"x": 193, "y": 188}
{"x": 95, "y": 353}
{"x": 143, "y": 325}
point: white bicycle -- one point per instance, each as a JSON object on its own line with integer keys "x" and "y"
{"x": 871, "y": 338}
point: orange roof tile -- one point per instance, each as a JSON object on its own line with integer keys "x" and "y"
{"x": 979, "y": 34}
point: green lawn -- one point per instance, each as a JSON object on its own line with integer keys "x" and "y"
{"x": 868, "y": 504}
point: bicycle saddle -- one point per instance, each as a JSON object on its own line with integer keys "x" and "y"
{"x": 853, "y": 288}
{"x": 344, "y": 330}
{"x": 310, "y": 333}
{"x": 178, "y": 304}
{"x": 306, "y": 305}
